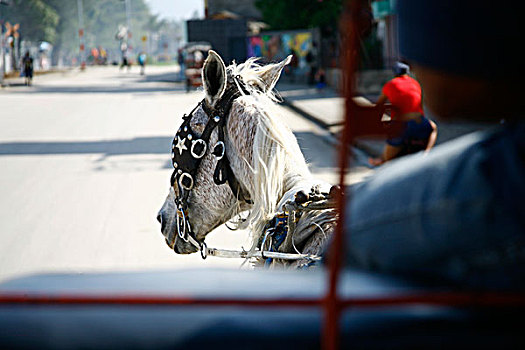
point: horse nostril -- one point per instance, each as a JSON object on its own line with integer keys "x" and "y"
{"x": 163, "y": 222}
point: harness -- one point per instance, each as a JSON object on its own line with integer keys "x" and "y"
{"x": 279, "y": 231}
{"x": 188, "y": 150}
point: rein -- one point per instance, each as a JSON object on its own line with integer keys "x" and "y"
{"x": 283, "y": 223}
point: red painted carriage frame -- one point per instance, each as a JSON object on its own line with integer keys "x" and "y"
{"x": 359, "y": 120}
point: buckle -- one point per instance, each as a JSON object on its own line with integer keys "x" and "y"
{"x": 183, "y": 177}
{"x": 195, "y": 143}
{"x": 204, "y": 251}
{"x": 181, "y": 217}
{"x": 219, "y": 153}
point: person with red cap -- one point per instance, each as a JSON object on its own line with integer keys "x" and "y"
{"x": 409, "y": 130}
{"x": 455, "y": 214}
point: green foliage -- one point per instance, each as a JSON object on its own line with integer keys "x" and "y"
{"x": 67, "y": 26}
{"x": 56, "y": 21}
{"x": 37, "y": 19}
{"x": 300, "y": 14}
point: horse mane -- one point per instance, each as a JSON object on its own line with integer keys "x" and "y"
{"x": 278, "y": 164}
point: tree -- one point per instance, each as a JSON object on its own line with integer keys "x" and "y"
{"x": 37, "y": 19}
{"x": 66, "y": 41}
{"x": 56, "y": 21}
{"x": 300, "y": 14}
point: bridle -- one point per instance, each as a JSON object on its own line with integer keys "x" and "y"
{"x": 188, "y": 150}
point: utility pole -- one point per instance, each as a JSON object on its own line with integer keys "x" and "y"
{"x": 128, "y": 23}
{"x": 81, "y": 35}
{"x": 125, "y": 42}
{"x": 2, "y": 41}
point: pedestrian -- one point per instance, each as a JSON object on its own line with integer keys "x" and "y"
{"x": 455, "y": 215}
{"x": 180, "y": 61}
{"x": 27, "y": 64}
{"x": 141, "y": 59}
{"x": 103, "y": 56}
{"x": 125, "y": 63}
{"x": 320, "y": 80}
{"x": 294, "y": 64}
{"x": 124, "y": 52}
{"x": 311, "y": 60}
{"x": 409, "y": 130}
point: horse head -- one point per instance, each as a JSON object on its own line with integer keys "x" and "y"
{"x": 231, "y": 154}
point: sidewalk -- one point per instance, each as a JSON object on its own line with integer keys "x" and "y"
{"x": 13, "y": 78}
{"x": 325, "y": 108}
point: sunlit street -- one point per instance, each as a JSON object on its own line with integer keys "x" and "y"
{"x": 261, "y": 174}
{"x": 85, "y": 160}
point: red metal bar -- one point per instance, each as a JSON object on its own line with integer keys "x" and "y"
{"x": 351, "y": 30}
{"x": 331, "y": 302}
{"x": 458, "y": 299}
{"x": 24, "y": 298}
{"x": 474, "y": 299}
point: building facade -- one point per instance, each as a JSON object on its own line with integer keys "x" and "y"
{"x": 226, "y": 36}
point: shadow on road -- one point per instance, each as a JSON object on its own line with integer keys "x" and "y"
{"x": 163, "y": 78}
{"x": 309, "y": 142}
{"x": 116, "y": 83}
{"x": 297, "y": 92}
{"x": 138, "y": 145}
{"x": 99, "y": 89}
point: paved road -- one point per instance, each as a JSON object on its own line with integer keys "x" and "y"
{"x": 85, "y": 167}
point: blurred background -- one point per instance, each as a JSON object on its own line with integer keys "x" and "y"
{"x": 60, "y": 33}
{"x": 85, "y": 144}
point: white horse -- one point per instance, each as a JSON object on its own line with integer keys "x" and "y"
{"x": 265, "y": 160}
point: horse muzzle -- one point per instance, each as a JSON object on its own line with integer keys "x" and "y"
{"x": 167, "y": 217}
{"x": 181, "y": 247}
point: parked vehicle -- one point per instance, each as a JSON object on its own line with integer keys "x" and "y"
{"x": 194, "y": 55}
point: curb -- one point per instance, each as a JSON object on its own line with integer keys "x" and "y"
{"x": 14, "y": 75}
{"x": 11, "y": 77}
{"x": 327, "y": 135}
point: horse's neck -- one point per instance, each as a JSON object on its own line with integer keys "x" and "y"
{"x": 267, "y": 162}
{"x": 251, "y": 139}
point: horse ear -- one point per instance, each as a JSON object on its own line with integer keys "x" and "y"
{"x": 269, "y": 74}
{"x": 214, "y": 77}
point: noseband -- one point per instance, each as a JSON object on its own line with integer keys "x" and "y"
{"x": 188, "y": 150}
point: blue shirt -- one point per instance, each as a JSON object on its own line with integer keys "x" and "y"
{"x": 457, "y": 213}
